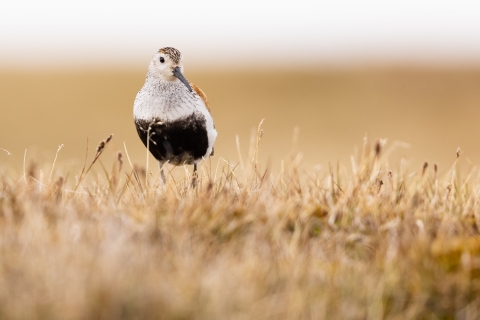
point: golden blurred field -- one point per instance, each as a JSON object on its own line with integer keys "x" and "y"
{"x": 435, "y": 110}
{"x": 383, "y": 239}
{"x": 374, "y": 244}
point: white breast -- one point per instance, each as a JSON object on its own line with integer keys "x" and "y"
{"x": 170, "y": 101}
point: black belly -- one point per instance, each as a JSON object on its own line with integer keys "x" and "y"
{"x": 182, "y": 141}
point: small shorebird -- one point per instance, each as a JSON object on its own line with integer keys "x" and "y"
{"x": 172, "y": 115}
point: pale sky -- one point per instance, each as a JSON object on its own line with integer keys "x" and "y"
{"x": 241, "y": 33}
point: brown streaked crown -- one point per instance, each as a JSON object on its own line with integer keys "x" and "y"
{"x": 173, "y": 53}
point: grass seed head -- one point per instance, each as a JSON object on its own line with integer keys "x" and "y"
{"x": 425, "y": 166}
{"x": 120, "y": 161}
{"x": 378, "y": 148}
{"x": 448, "y": 190}
{"x": 101, "y": 145}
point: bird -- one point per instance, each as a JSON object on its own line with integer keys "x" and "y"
{"x": 172, "y": 115}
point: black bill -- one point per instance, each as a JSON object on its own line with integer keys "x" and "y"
{"x": 178, "y": 74}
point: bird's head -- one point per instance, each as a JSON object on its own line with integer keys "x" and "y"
{"x": 167, "y": 65}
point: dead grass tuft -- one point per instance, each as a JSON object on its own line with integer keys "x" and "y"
{"x": 376, "y": 241}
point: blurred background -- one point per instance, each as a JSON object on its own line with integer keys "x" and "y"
{"x": 401, "y": 70}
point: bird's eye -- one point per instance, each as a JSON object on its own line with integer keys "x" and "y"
{"x": 162, "y": 60}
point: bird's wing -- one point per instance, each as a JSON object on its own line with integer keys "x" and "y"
{"x": 204, "y": 98}
{"x": 202, "y": 95}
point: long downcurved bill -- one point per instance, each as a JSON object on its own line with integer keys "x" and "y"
{"x": 178, "y": 74}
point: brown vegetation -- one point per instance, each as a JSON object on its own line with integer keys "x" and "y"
{"x": 374, "y": 241}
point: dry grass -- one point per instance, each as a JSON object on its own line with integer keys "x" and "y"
{"x": 372, "y": 242}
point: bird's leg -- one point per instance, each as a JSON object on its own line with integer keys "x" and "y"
{"x": 194, "y": 176}
{"x": 162, "y": 173}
